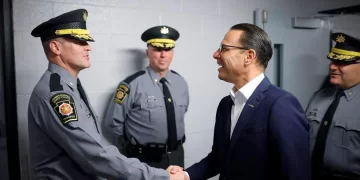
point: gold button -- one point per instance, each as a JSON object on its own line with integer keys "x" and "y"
{"x": 325, "y": 123}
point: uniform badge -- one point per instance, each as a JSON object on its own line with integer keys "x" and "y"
{"x": 340, "y": 38}
{"x": 121, "y": 93}
{"x": 164, "y": 30}
{"x": 85, "y": 15}
{"x": 64, "y": 107}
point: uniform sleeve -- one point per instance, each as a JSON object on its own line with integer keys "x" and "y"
{"x": 84, "y": 144}
{"x": 119, "y": 106}
{"x": 187, "y": 96}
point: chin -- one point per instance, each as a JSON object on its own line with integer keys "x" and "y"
{"x": 334, "y": 81}
{"x": 222, "y": 77}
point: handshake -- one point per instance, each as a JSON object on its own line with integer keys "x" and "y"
{"x": 177, "y": 173}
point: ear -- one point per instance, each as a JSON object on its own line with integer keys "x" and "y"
{"x": 55, "y": 47}
{"x": 251, "y": 57}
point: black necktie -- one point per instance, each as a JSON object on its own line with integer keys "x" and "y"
{"x": 83, "y": 96}
{"x": 319, "y": 148}
{"x": 170, "y": 114}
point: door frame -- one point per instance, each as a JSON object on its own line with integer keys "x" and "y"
{"x": 7, "y": 73}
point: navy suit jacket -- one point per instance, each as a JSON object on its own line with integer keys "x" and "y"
{"x": 270, "y": 140}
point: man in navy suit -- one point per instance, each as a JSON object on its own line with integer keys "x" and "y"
{"x": 261, "y": 131}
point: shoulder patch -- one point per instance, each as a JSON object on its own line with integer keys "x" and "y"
{"x": 55, "y": 83}
{"x": 122, "y": 93}
{"x": 175, "y": 72}
{"x": 134, "y": 76}
{"x": 64, "y": 106}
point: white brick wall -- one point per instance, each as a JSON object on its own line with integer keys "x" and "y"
{"x": 118, "y": 51}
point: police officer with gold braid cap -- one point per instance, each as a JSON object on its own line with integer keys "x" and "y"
{"x": 64, "y": 131}
{"x": 334, "y": 117}
{"x": 148, "y": 108}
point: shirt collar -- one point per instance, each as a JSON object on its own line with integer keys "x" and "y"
{"x": 247, "y": 90}
{"x": 352, "y": 92}
{"x": 155, "y": 77}
{"x": 64, "y": 74}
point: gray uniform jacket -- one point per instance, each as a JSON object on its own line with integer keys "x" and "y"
{"x": 138, "y": 107}
{"x": 65, "y": 139}
{"x": 342, "y": 150}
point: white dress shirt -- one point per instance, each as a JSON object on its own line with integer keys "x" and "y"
{"x": 240, "y": 97}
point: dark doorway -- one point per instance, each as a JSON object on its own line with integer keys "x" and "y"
{"x": 9, "y": 147}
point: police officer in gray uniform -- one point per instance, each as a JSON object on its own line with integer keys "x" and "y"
{"x": 64, "y": 131}
{"x": 148, "y": 107}
{"x": 334, "y": 115}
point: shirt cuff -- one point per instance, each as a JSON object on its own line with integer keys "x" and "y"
{"x": 187, "y": 175}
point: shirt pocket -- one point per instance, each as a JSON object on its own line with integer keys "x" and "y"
{"x": 153, "y": 111}
{"x": 346, "y": 133}
{"x": 314, "y": 122}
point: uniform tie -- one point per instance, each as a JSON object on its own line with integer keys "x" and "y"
{"x": 83, "y": 96}
{"x": 170, "y": 114}
{"x": 319, "y": 148}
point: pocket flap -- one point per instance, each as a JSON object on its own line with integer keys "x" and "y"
{"x": 347, "y": 123}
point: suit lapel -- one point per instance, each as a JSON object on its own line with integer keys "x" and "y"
{"x": 227, "y": 116}
{"x": 250, "y": 107}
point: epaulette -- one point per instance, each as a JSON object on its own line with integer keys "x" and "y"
{"x": 134, "y": 76}
{"x": 55, "y": 83}
{"x": 175, "y": 72}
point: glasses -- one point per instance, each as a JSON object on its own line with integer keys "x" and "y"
{"x": 221, "y": 48}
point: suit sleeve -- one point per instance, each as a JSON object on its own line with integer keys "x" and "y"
{"x": 85, "y": 146}
{"x": 289, "y": 137}
{"x": 209, "y": 166}
{"x": 119, "y": 106}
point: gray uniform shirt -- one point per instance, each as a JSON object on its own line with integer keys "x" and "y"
{"x": 138, "y": 107}
{"x": 342, "y": 150}
{"x": 65, "y": 139}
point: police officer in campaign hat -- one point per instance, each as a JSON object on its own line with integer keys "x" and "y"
{"x": 334, "y": 116}
{"x": 64, "y": 131}
{"x": 148, "y": 107}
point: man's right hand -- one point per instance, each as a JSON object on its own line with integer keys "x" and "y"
{"x": 177, "y": 172}
{"x": 178, "y": 176}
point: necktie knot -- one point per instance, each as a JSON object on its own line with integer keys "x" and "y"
{"x": 340, "y": 93}
{"x": 163, "y": 80}
{"x": 78, "y": 82}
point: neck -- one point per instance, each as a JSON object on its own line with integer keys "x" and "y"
{"x": 163, "y": 73}
{"x": 242, "y": 80}
{"x": 67, "y": 67}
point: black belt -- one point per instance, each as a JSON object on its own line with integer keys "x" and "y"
{"x": 151, "y": 148}
{"x": 329, "y": 176}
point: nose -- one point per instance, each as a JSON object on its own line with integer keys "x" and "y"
{"x": 162, "y": 53}
{"x": 216, "y": 54}
{"x": 332, "y": 66}
{"x": 88, "y": 47}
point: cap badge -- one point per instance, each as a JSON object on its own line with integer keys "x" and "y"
{"x": 164, "y": 30}
{"x": 340, "y": 38}
{"x": 85, "y": 15}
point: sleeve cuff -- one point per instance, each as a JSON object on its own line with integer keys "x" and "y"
{"x": 187, "y": 174}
